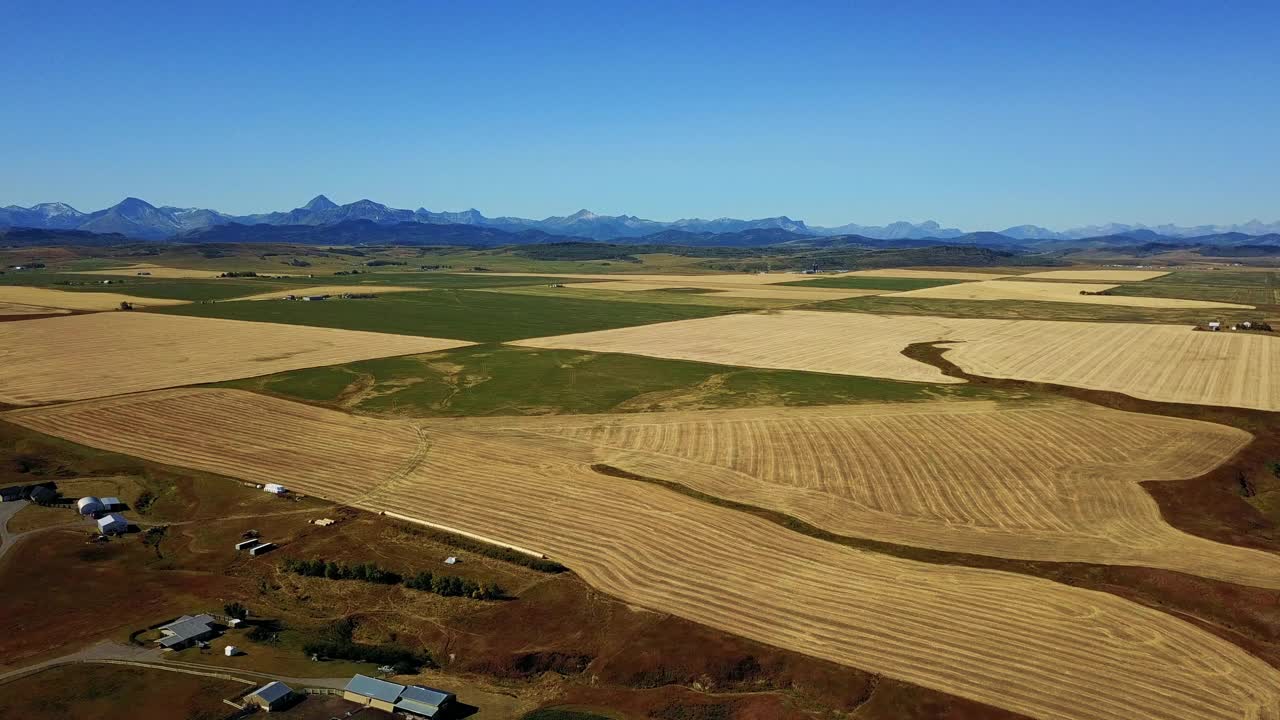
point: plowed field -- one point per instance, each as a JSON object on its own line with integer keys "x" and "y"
{"x": 84, "y": 356}
{"x": 1032, "y": 646}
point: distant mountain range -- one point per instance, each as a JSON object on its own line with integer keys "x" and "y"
{"x": 141, "y": 220}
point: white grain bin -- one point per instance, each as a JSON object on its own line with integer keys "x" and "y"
{"x": 90, "y": 506}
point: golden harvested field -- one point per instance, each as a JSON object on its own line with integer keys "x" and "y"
{"x": 768, "y": 292}
{"x": 1102, "y": 275}
{"x": 840, "y": 343}
{"x": 84, "y": 356}
{"x": 50, "y": 298}
{"x": 331, "y": 290}
{"x": 14, "y": 309}
{"x": 1168, "y": 363}
{"x": 1051, "y": 482}
{"x": 1052, "y": 292}
{"x": 1028, "y": 645}
{"x": 925, "y": 274}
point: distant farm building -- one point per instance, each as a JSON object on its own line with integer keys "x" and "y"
{"x": 315, "y": 298}
{"x": 186, "y": 631}
{"x": 231, "y": 651}
{"x": 274, "y": 489}
{"x": 1215, "y": 325}
{"x": 111, "y": 503}
{"x": 113, "y": 524}
{"x": 272, "y": 696}
{"x": 246, "y": 544}
{"x": 42, "y": 494}
{"x": 412, "y": 701}
{"x": 12, "y": 493}
{"x": 90, "y": 506}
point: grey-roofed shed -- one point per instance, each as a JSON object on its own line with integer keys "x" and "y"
{"x": 423, "y": 701}
{"x": 271, "y": 696}
{"x": 112, "y": 523}
{"x": 373, "y": 692}
{"x": 186, "y": 630}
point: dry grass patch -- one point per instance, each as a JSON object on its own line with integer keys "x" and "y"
{"x": 331, "y": 290}
{"x": 1102, "y": 275}
{"x": 924, "y": 274}
{"x": 83, "y": 356}
{"x": 155, "y": 271}
{"x": 991, "y": 636}
{"x": 1052, "y": 292}
{"x": 50, "y": 298}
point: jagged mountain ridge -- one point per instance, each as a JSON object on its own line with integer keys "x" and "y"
{"x": 139, "y": 219}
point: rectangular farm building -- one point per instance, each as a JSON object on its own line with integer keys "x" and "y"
{"x": 412, "y": 701}
{"x": 185, "y": 631}
{"x": 112, "y": 523}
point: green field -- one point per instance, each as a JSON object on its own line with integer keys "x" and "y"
{"x": 456, "y": 314}
{"x": 873, "y": 283}
{"x": 1247, "y": 288}
{"x": 501, "y": 380}
{"x": 174, "y": 289}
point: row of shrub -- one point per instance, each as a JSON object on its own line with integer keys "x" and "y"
{"x": 368, "y": 572}
{"x": 453, "y": 586}
{"x": 446, "y": 585}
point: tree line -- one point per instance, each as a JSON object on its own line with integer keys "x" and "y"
{"x": 446, "y": 585}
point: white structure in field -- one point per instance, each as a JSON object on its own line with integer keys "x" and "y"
{"x": 113, "y": 523}
{"x": 274, "y": 488}
{"x": 89, "y": 506}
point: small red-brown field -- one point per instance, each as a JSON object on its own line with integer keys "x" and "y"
{"x": 994, "y": 637}
{"x": 115, "y": 692}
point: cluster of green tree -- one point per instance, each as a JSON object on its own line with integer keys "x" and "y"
{"x": 368, "y": 572}
{"x": 479, "y": 547}
{"x": 337, "y": 643}
{"x": 238, "y": 274}
{"x": 454, "y": 586}
{"x": 381, "y": 263}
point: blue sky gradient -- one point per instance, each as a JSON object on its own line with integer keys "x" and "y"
{"x": 980, "y": 115}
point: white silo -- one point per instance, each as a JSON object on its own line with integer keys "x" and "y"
{"x": 90, "y": 506}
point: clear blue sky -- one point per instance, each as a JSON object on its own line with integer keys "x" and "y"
{"x": 979, "y": 115}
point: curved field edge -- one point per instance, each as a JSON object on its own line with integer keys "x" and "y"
{"x": 990, "y": 636}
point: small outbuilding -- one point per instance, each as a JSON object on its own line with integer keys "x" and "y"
{"x": 90, "y": 505}
{"x": 275, "y": 488}
{"x": 262, "y": 548}
{"x": 1215, "y": 325}
{"x": 246, "y": 544}
{"x": 231, "y": 651}
{"x": 111, "y": 503}
{"x": 411, "y": 701}
{"x": 272, "y": 696}
{"x": 42, "y": 495}
{"x": 113, "y": 524}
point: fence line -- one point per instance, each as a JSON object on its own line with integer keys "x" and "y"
{"x": 464, "y": 533}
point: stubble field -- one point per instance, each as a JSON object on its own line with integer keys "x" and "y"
{"x": 1168, "y": 363}
{"x": 83, "y": 356}
{"x": 996, "y": 637}
{"x": 1068, "y": 292}
{"x": 50, "y": 298}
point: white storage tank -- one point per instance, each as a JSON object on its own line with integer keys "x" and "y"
{"x": 90, "y": 506}
{"x": 232, "y": 651}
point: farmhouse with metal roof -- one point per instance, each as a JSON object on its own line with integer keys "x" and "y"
{"x": 414, "y": 701}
